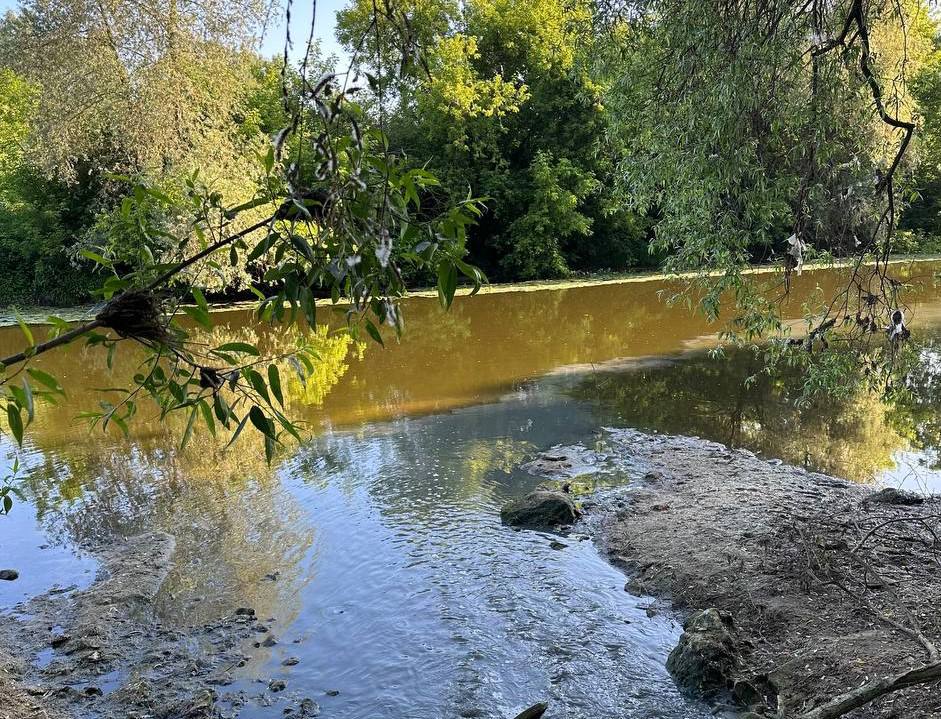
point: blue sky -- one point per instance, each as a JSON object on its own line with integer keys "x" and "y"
{"x": 300, "y": 25}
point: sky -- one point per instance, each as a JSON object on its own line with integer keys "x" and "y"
{"x": 273, "y": 43}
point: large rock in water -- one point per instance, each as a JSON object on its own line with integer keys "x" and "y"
{"x": 707, "y": 655}
{"x": 540, "y": 508}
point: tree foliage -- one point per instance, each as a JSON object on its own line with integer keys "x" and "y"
{"x": 509, "y": 106}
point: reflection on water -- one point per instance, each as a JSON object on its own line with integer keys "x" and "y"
{"x": 700, "y": 395}
{"x": 376, "y": 550}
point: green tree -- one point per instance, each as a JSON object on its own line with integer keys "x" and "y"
{"x": 509, "y": 108}
{"x": 37, "y": 215}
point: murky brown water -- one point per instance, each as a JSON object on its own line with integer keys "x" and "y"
{"x": 395, "y": 577}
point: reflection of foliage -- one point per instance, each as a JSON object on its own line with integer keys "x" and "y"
{"x": 482, "y": 457}
{"x": 332, "y": 350}
{"x": 916, "y": 406}
{"x": 849, "y": 435}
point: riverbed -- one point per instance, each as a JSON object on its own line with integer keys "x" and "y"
{"x": 374, "y": 552}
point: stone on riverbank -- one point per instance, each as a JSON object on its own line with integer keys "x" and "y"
{"x": 707, "y": 654}
{"x": 540, "y": 508}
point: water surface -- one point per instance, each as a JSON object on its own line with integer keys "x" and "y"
{"x": 376, "y": 550}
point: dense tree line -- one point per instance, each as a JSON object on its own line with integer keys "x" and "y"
{"x": 602, "y": 137}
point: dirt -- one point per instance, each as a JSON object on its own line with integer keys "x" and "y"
{"x": 829, "y": 584}
{"x": 103, "y": 652}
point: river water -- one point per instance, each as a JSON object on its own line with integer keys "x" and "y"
{"x": 375, "y": 551}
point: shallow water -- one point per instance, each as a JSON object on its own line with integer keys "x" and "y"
{"x": 375, "y": 553}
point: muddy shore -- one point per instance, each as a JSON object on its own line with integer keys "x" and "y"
{"x": 827, "y": 585}
{"x": 103, "y": 651}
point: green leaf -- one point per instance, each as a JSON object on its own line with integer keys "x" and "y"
{"x": 95, "y": 257}
{"x": 274, "y": 382}
{"x": 242, "y": 347}
{"x": 189, "y": 429}
{"x": 46, "y": 379}
{"x": 447, "y": 283}
{"x": 200, "y": 299}
{"x": 16, "y": 422}
{"x": 207, "y": 416}
{"x": 257, "y": 382}
{"x": 200, "y": 315}
{"x": 221, "y": 409}
{"x": 27, "y": 332}
{"x": 374, "y": 332}
{"x": 261, "y": 422}
{"x": 238, "y": 431}
{"x": 28, "y": 393}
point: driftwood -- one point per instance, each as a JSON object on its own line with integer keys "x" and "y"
{"x": 842, "y": 570}
{"x": 855, "y": 698}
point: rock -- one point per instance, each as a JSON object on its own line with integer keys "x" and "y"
{"x": 290, "y": 662}
{"x": 540, "y": 508}
{"x": 309, "y": 708}
{"x": 557, "y": 545}
{"x": 534, "y": 712}
{"x": 707, "y": 654}
{"x": 891, "y": 495}
{"x": 9, "y": 574}
{"x": 269, "y": 642}
{"x": 58, "y": 640}
{"x": 277, "y": 685}
{"x": 332, "y": 692}
{"x": 245, "y": 612}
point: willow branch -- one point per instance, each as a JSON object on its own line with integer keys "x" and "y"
{"x": 62, "y": 339}
{"x": 162, "y": 280}
{"x": 219, "y": 244}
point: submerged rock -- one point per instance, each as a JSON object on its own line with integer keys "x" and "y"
{"x": 707, "y": 654}
{"x": 540, "y": 508}
{"x": 9, "y": 574}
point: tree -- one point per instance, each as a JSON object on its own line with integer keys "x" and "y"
{"x": 153, "y": 83}
{"x": 35, "y": 213}
{"x": 509, "y": 107}
{"x": 772, "y": 131}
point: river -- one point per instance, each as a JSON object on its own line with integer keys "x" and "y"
{"x": 376, "y": 549}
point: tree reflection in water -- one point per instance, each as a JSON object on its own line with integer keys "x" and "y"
{"x": 857, "y": 436}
